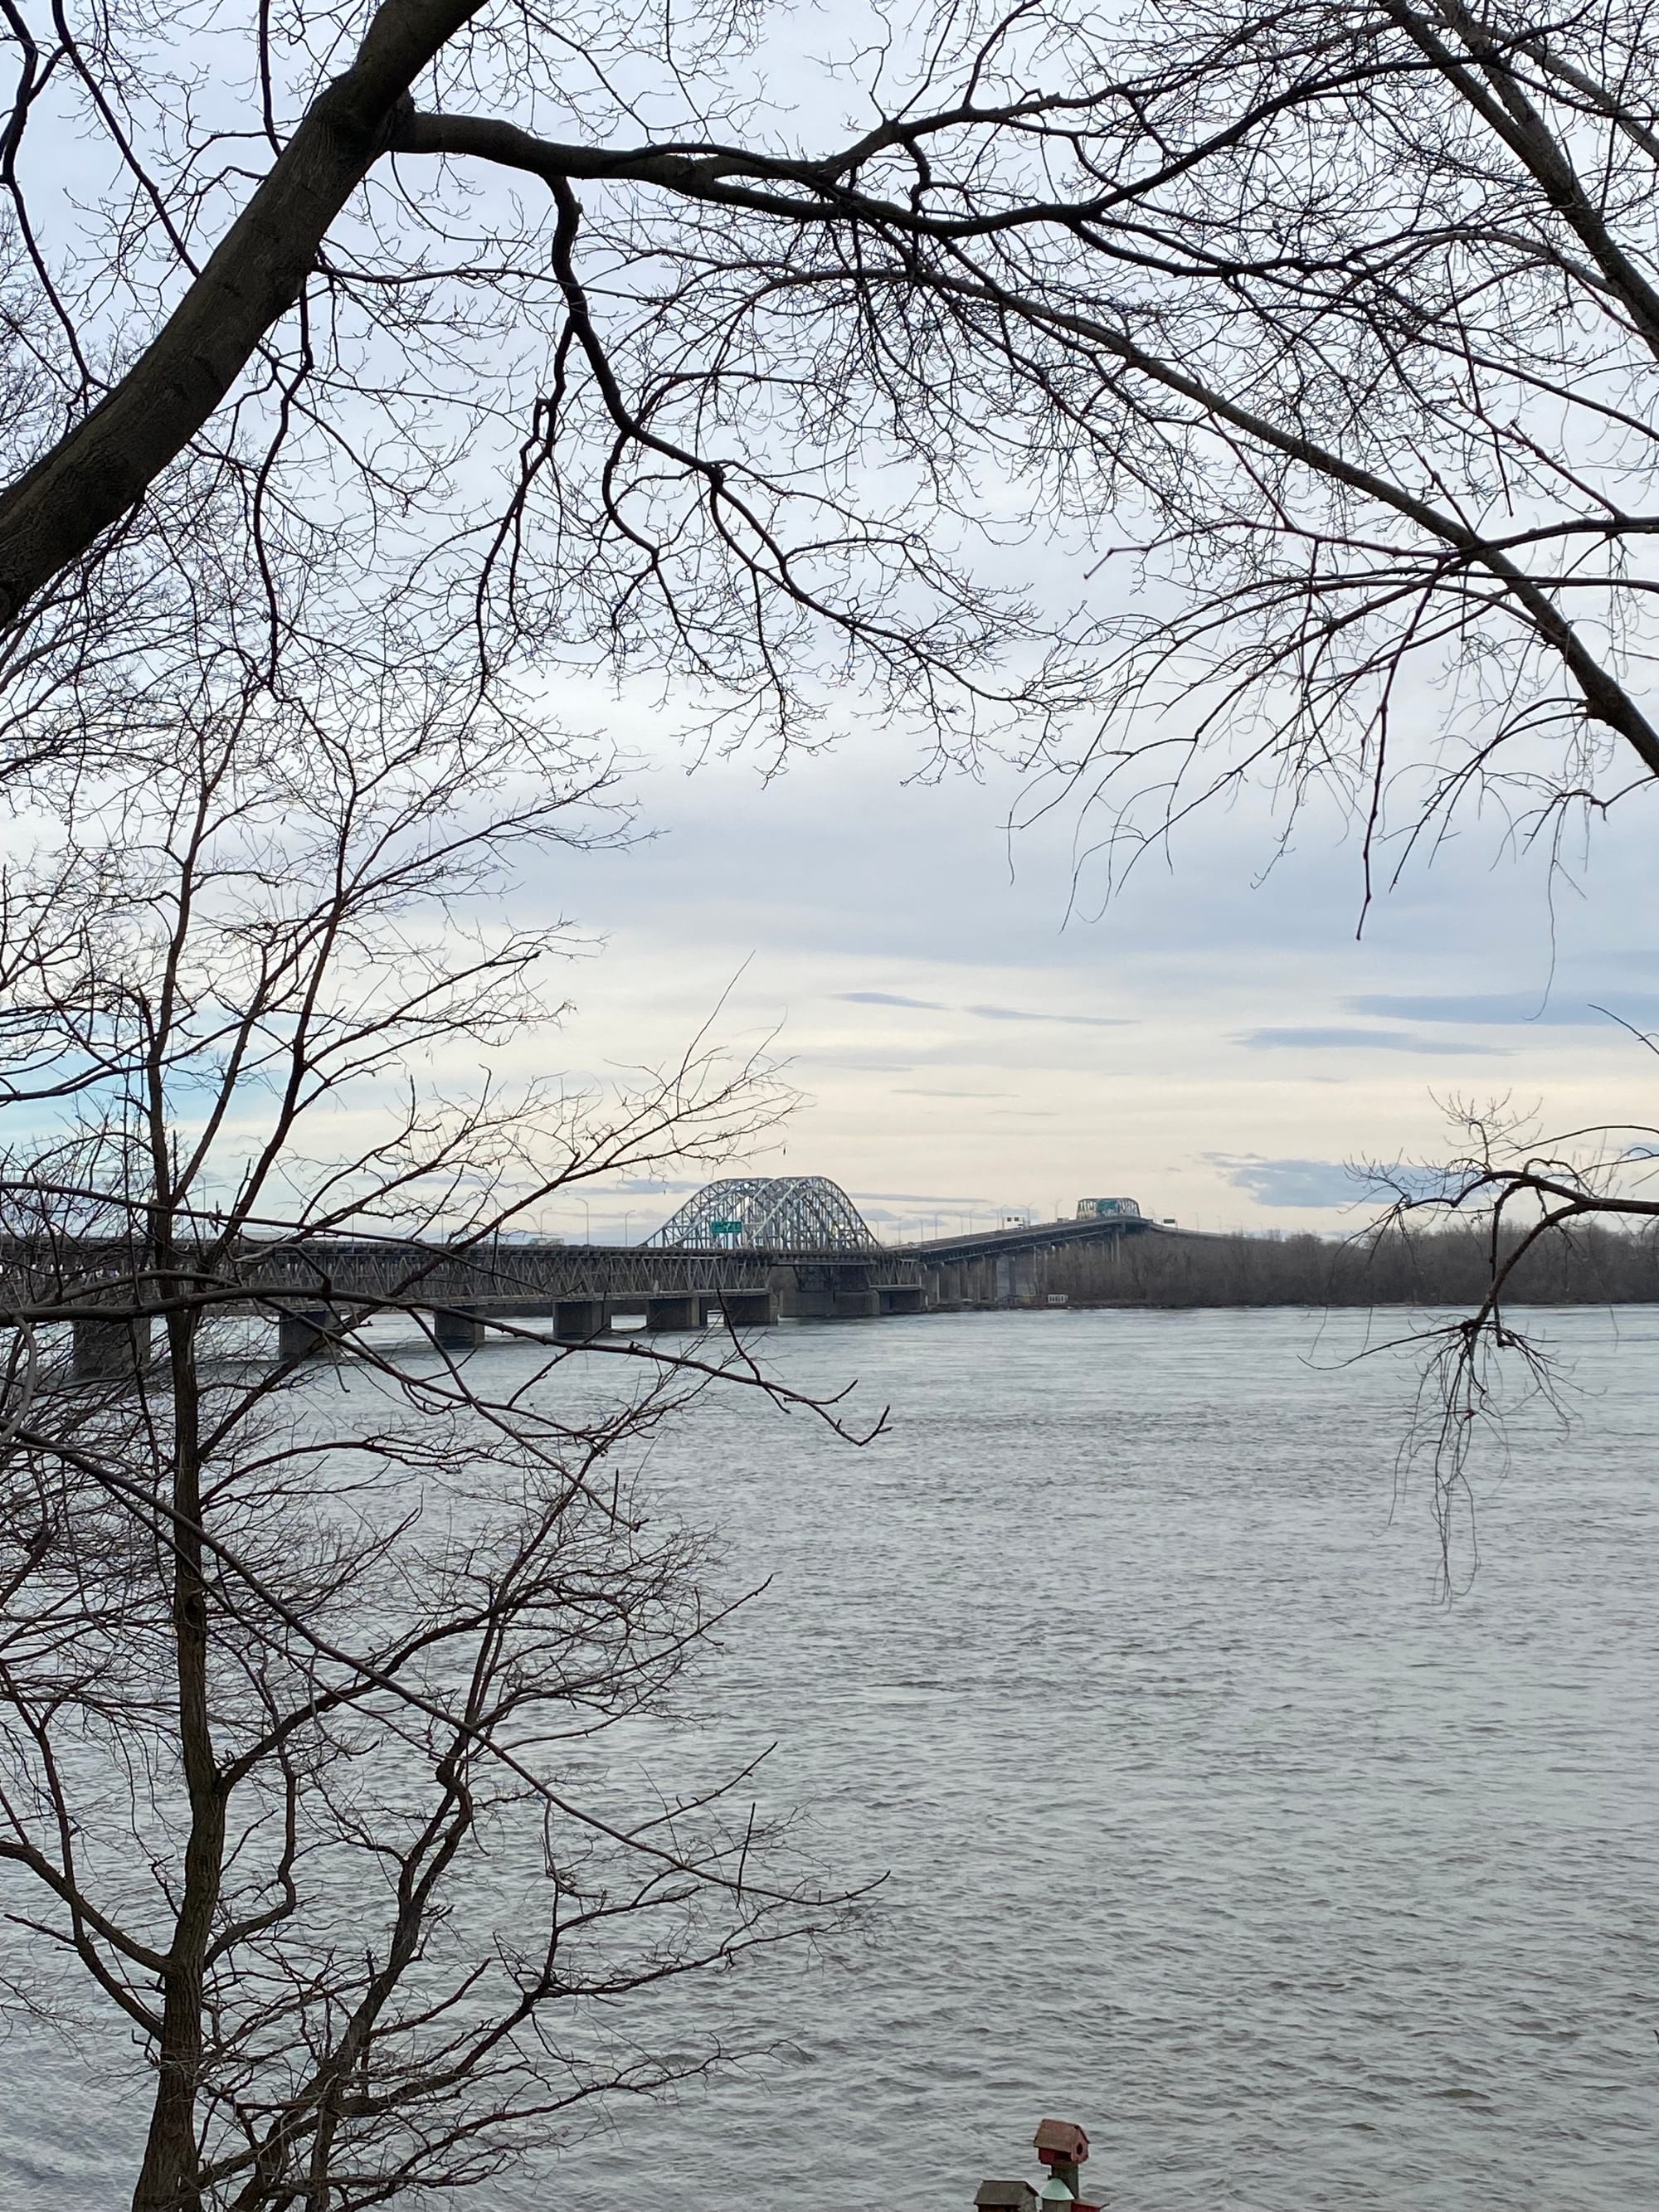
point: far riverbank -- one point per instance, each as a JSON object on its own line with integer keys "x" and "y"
{"x": 1399, "y": 1266}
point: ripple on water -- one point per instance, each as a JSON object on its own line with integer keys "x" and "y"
{"x": 1206, "y": 1824}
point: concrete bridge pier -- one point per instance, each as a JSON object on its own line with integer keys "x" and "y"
{"x": 307, "y": 1333}
{"x": 110, "y": 1351}
{"x": 577, "y": 1320}
{"x": 858, "y": 1305}
{"x": 674, "y": 1313}
{"x": 749, "y": 1309}
{"x": 900, "y": 1298}
{"x": 457, "y": 1328}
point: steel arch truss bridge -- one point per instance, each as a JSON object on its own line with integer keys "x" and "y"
{"x": 744, "y": 1253}
{"x": 774, "y": 1213}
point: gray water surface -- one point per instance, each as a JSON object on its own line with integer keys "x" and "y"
{"x": 1206, "y": 1823}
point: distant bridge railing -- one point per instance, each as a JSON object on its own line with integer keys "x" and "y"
{"x": 1035, "y": 1236}
{"x": 109, "y": 1290}
{"x": 37, "y": 1273}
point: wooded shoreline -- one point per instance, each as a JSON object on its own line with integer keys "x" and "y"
{"x": 1398, "y": 1265}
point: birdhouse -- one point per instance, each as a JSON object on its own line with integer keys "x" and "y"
{"x": 1060, "y": 2142}
{"x": 1006, "y": 2196}
{"x": 1055, "y": 2194}
{"x": 1062, "y": 2147}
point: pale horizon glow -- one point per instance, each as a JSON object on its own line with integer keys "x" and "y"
{"x": 1218, "y": 1045}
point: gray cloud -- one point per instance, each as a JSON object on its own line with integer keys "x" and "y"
{"x": 1338, "y": 1040}
{"x": 844, "y": 868}
{"x": 882, "y": 1064}
{"x": 642, "y": 1186}
{"x": 1294, "y": 1183}
{"x": 1326, "y": 1182}
{"x": 1481, "y": 1008}
{"x": 911, "y": 1198}
{"x": 984, "y": 1013}
{"x": 1024, "y": 1014}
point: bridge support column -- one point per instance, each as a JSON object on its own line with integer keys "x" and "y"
{"x": 457, "y": 1328}
{"x": 680, "y": 1313}
{"x": 576, "y": 1320}
{"x": 900, "y": 1298}
{"x": 110, "y": 1351}
{"x": 858, "y": 1305}
{"x": 307, "y": 1333}
{"x": 749, "y": 1309}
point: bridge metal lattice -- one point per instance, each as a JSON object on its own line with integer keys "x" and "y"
{"x": 780, "y": 1213}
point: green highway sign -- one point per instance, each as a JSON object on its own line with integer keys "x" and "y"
{"x": 725, "y": 1229}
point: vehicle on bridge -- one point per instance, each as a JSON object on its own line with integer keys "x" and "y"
{"x": 1107, "y": 1209}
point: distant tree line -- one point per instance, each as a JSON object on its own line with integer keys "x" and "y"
{"x": 1449, "y": 1265}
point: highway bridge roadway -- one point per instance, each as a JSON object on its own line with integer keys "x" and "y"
{"x": 317, "y": 1287}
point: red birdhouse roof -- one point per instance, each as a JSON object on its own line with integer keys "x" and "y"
{"x": 1057, "y": 2139}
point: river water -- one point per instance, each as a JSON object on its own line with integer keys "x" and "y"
{"x": 1206, "y": 1823}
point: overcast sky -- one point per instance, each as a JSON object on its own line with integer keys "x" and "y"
{"x": 1217, "y": 1044}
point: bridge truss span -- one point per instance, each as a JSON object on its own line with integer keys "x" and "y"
{"x": 776, "y": 1213}
{"x": 744, "y": 1252}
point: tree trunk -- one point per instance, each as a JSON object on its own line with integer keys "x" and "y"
{"x": 101, "y": 469}
{"x": 169, "y": 2178}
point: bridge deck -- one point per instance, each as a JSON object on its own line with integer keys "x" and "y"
{"x": 84, "y": 1280}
